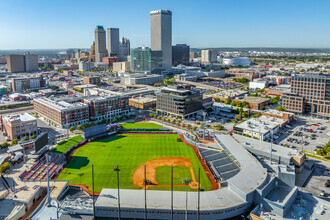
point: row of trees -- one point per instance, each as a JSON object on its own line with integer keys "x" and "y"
{"x": 325, "y": 152}
{"x": 173, "y": 121}
{"x": 15, "y": 141}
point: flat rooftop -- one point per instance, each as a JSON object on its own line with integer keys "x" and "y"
{"x": 261, "y": 124}
{"x": 61, "y": 105}
{"x": 253, "y": 99}
{"x": 25, "y": 117}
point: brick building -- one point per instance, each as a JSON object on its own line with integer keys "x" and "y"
{"x": 110, "y": 60}
{"x": 309, "y": 93}
{"x": 91, "y": 80}
{"x": 23, "y": 84}
{"x": 287, "y": 116}
{"x": 277, "y": 90}
{"x": 255, "y": 102}
{"x": 19, "y": 126}
{"x": 70, "y": 112}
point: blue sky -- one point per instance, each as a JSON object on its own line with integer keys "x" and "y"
{"x": 41, "y": 24}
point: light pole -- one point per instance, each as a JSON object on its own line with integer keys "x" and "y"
{"x": 186, "y": 182}
{"x": 48, "y": 190}
{"x": 204, "y": 114}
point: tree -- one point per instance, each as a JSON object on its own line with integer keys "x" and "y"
{"x": 183, "y": 124}
{"x": 233, "y": 103}
{"x": 240, "y": 104}
{"x": 173, "y": 121}
{"x": 15, "y": 141}
{"x": 99, "y": 123}
{"x": 168, "y": 120}
{"x": 79, "y": 127}
{"x": 178, "y": 123}
{"x": 164, "y": 119}
{"x": 4, "y": 145}
{"x": 194, "y": 128}
{"x": 3, "y": 167}
{"x": 86, "y": 125}
{"x": 26, "y": 138}
{"x": 217, "y": 99}
{"x": 159, "y": 117}
{"x": 72, "y": 129}
{"x": 151, "y": 115}
{"x": 92, "y": 124}
{"x": 238, "y": 117}
{"x": 33, "y": 137}
{"x": 245, "y": 115}
{"x": 227, "y": 101}
{"x": 280, "y": 108}
{"x": 189, "y": 126}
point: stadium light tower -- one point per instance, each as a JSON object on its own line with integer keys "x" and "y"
{"x": 48, "y": 188}
{"x": 186, "y": 181}
{"x": 204, "y": 114}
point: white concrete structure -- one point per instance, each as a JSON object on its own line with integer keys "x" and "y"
{"x": 121, "y": 67}
{"x": 259, "y": 128}
{"x": 31, "y": 62}
{"x": 161, "y": 35}
{"x": 86, "y": 66}
{"x": 258, "y": 85}
{"x": 209, "y": 56}
{"x": 237, "y": 61}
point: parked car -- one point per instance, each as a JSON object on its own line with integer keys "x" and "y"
{"x": 327, "y": 183}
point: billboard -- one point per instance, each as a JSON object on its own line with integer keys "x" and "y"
{"x": 41, "y": 141}
{"x": 95, "y": 131}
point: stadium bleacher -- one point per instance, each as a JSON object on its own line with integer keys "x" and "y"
{"x": 39, "y": 170}
{"x": 222, "y": 164}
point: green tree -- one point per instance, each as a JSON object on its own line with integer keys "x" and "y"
{"x": 151, "y": 115}
{"x": 15, "y": 141}
{"x": 194, "y": 128}
{"x": 33, "y": 137}
{"x": 240, "y": 104}
{"x": 86, "y": 125}
{"x": 79, "y": 127}
{"x": 189, "y": 126}
{"x": 233, "y": 103}
{"x": 26, "y": 138}
{"x": 227, "y": 101}
{"x": 72, "y": 129}
{"x": 3, "y": 167}
{"x": 280, "y": 108}
{"x": 4, "y": 145}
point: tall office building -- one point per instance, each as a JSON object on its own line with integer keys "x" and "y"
{"x": 180, "y": 54}
{"x": 209, "y": 56}
{"x": 113, "y": 41}
{"x": 92, "y": 54}
{"x": 143, "y": 59}
{"x": 22, "y": 63}
{"x": 125, "y": 47}
{"x": 309, "y": 93}
{"x": 100, "y": 44}
{"x": 161, "y": 34}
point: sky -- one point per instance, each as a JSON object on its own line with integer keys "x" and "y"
{"x": 60, "y": 24}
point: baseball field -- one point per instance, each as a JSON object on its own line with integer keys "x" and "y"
{"x": 133, "y": 152}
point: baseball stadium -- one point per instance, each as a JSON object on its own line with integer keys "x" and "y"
{"x": 131, "y": 152}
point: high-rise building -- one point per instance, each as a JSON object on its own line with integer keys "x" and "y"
{"x": 161, "y": 34}
{"x": 100, "y": 44}
{"x": 309, "y": 93}
{"x": 143, "y": 59}
{"x": 31, "y": 62}
{"x": 92, "y": 55}
{"x": 125, "y": 47}
{"x": 180, "y": 54}
{"x": 113, "y": 41}
{"x": 209, "y": 56}
{"x": 15, "y": 63}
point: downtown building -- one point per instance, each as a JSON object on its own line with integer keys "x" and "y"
{"x": 161, "y": 35}
{"x": 143, "y": 59}
{"x": 23, "y": 84}
{"x": 177, "y": 101}
{"x": 180, "y": 54}
{"x": 208, "y": 56}
{"x": 19, "y": 126}
{"x": 64, "y": 113}
{"x": 310, "y": 94}
{"x": 22, "y": 63}
{"x": 100, "y": 44}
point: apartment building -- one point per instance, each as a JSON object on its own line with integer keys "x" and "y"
{"x": 19, "y": 126}
{"x": 63, "y": 113}
{"x": 142, "y": 79}
{"x": 107, "y": 105}
{"x": 91, "y": 80}
{"x": 143, "y": 102}
{"x": 177, "y": 101}
{"x": 23, "y": 84}
{"x": 309, "y": 93}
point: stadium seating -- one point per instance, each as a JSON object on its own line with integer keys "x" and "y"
{"x": 39, "y": 170}
{"x": 220, "y": 162}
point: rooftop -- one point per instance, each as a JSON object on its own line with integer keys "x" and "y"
{"x": 25, "y": 117}
{"x": 60, "y": 105}
{"x": 253, "y": 99}
{"x": 262, "y": 124}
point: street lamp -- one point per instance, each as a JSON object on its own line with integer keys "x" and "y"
{"x": 186, "y": 181}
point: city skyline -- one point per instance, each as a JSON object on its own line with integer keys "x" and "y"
{"x": 60, "y": 24}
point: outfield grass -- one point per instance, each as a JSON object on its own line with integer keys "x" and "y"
{"x": 62, "y": 148}
{"x": 128, "y": 151}
{"x": 128, "y": 125}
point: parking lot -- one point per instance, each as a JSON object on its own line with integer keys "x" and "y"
{"x": 305, "y": 134}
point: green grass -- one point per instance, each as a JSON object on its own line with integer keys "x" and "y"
{"x": 128, "y": 125}
{"x": 128, "y": 151}
{"x": 163, "y": 175}
{"x": 62, "y": 148}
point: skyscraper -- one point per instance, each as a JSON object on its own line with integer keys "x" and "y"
{"x": 161, "y": 34}
{"x": 209, "y": 56}
{"x": 113, "y": 41}
{"x": 143, "y": 59}
{"x": 100, "y": 44}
